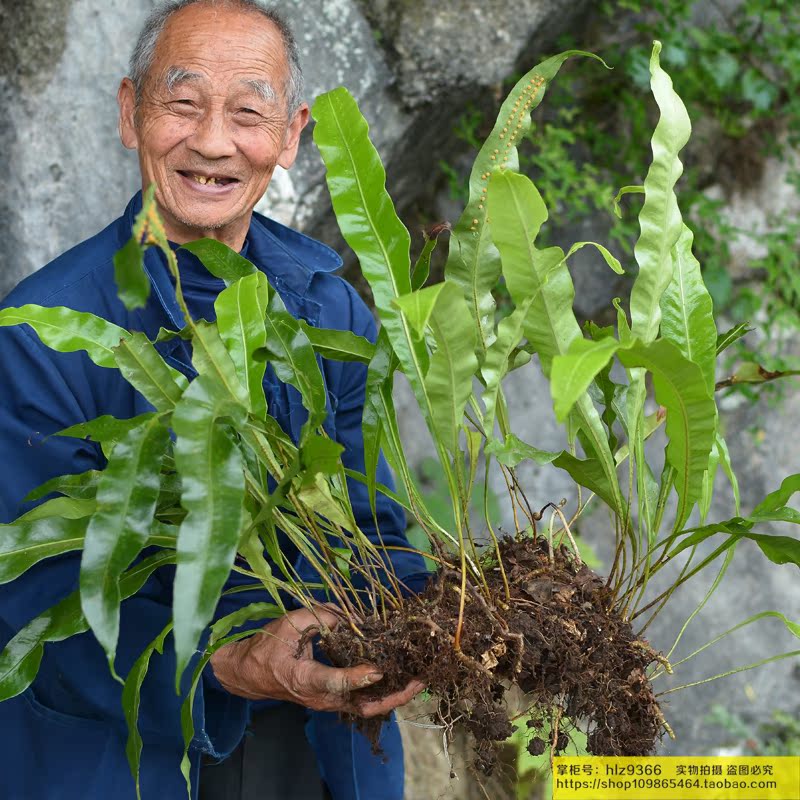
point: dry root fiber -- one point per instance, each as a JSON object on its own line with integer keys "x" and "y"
{"x": 576, "y": 661}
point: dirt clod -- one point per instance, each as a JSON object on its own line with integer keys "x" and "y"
{"x": 555, "y": 637}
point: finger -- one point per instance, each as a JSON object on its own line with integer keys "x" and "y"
{"x": 302, "y": 625}
{"x": 377, "y": 708}
{"x": 316, "y": 678}
{"x": 328, "y": 615}
{"x": 318, "y": 617}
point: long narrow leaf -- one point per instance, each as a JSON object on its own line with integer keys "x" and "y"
{"x": 687, "y": 310}
{"x": 374, "y": 421}
{"x": 254, "y": 611}
{"x": 449, "y": 378}
{"x": 761, "y": 663}
{"x": 713, "y": 588}
{"x": 709, "y": 476}
{"x": 792, "y": 627}
{"x": 295, "y": 363}
{"x": 211, "y": 466}
{"x": 78, "y": 487}
{"x": 725, "y": 340}
{"x": 727, "y": 468}
{"x": 27, "y": 542}
{"x": 143, "y": 367}
{"x": 220, "y": 260}
{"x": 370, "y": 225}
{"x": 660, "y": 218}
{"x": 422, "y": 269}
{"x": 517, "y": 212}
{"x": 20, "y": 660}
{"x": 210, "y": 358}
{"x": 131, "y": 701}
{"x": 691, "y": 415}
{"x": 69, "y": 331}
{"x": 473, "y": 261}
{"x": 496, "y": 363}
{"x": 338, "y": 345}
{"x": 573, "y": 372}
{"x": 608, "y": 257}
{"x": 126, "y": 501}
{"x": 133, "y": 285}
{"x": 106, "y": 430}
{"x": 241, "y": 313}
{"x": 187, "y": 722}
{"x": 661, "y": 225}
{"x": 780, "y": 497}
{"x": 366, "y": 214}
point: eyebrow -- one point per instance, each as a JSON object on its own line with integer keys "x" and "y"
{"x": 264, "y": 89}
{"x": 176, "y": 75}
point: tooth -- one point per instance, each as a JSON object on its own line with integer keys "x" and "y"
{"x": 200, "y": 179}
{"x": 213, "y": 180}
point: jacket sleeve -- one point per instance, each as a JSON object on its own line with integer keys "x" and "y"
{"x": 44, "y": 392}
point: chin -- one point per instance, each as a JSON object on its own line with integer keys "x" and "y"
{"x": 207, "y": 220}
{"x": 206, "y": 223}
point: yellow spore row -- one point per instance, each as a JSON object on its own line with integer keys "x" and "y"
{"x": 148, "y": 229}
{"x": 510, "y": 136}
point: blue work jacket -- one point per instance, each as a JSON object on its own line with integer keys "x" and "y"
{"x": 64, "y": 738}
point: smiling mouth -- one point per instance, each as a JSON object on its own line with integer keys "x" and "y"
{"x": 208, "y": 180}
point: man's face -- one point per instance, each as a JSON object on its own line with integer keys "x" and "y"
{"x": 211, "y": 124}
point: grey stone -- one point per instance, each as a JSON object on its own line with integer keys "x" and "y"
{"x": 67, "y": 174}
{"x": 39, "y": 27}
{"x": 441, "y": 47}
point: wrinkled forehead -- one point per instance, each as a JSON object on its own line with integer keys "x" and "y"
{"x": 207, "y": 44}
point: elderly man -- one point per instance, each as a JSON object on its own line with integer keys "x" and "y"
{"x": 212, "y": 105}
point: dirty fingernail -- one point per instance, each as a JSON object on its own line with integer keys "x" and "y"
{"x": 373, "y": 677}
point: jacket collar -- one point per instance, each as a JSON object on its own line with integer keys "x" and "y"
{"x": 287, "y": 257}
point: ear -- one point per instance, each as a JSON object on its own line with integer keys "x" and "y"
{"x": 292, "y": 138}
{"x": 126, "y": 100}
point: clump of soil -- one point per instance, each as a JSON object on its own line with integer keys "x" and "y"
{"x": 556, "y": 639}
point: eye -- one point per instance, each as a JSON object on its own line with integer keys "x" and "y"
{"x": 182, "y": 104}
{"x": 248, "y": 111}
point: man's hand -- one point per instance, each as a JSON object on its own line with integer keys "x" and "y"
{"x": 267, "y": 666}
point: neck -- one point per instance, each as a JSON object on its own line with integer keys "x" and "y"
{"x": 232, "y": 235}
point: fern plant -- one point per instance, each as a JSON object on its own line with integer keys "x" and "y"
{"x": 447, "y": 341}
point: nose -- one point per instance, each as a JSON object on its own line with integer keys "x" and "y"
{"x": 211, "y": 138}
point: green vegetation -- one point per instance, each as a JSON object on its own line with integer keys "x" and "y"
{"x": 779, "y": 736}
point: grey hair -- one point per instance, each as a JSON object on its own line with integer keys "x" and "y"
{"x": 144, "y": 51}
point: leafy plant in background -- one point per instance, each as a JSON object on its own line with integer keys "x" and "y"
{"x": 520, "y": 610}
{"x": 779, "y": 736}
